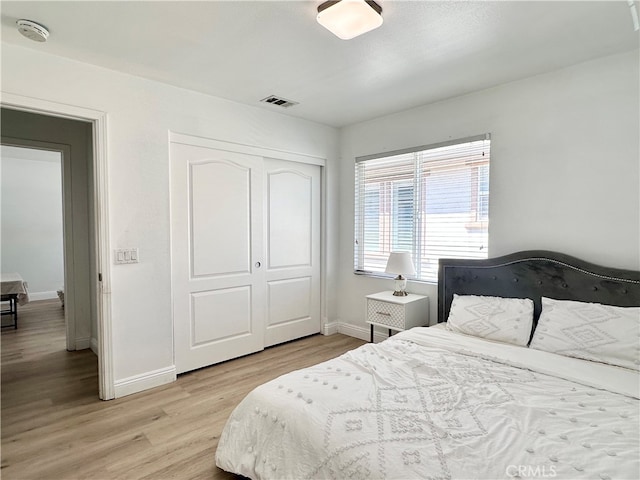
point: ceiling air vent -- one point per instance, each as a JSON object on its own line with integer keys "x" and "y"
{"x": 279, "y": 101}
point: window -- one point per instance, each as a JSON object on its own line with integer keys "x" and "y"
{"x": 430, "y": 201}
{"x": 483, "y": 192}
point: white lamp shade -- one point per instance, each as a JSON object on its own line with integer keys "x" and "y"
{"x": 400, "y": 263}
{"x": 347, "y": 19}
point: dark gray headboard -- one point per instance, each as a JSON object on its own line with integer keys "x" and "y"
{"x": 534, "y": 274}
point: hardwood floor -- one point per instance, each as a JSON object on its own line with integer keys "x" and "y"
{"x": 54, "y": 427}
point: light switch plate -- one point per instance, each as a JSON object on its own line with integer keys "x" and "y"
{"x": 123, "y": 256}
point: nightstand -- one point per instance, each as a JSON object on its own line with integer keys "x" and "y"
{"x": 397, "y": 313}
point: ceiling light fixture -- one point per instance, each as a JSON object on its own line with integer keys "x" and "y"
{"x": 347, "y": 19}
{"x": 32, "y": 30}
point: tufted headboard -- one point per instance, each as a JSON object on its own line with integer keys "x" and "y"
{"x": 534, "y": 274}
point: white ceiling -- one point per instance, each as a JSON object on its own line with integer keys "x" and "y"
{"x": 244, "y": 51}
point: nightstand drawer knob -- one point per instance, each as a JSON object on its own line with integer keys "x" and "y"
{"x": 384, "y": 313}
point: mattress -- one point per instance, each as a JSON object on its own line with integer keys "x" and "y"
{"x": 429, "y": 403}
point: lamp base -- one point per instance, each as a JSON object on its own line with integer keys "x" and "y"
{"x": 401, "y": 285}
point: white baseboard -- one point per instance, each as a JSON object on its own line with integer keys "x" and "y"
{"x": 353, "y": 331}
{"x": 83, "y": 343}
{"x": 330, "y": 328}
{"x": 144, "y": 381}
{"x": 35, "y": 296}
{"x": 363, "y": 333}
{"x": 94, "y": 345}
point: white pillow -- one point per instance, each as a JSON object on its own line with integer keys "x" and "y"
{"x": 506, "y": 320}
{"x": 591, "y": 331}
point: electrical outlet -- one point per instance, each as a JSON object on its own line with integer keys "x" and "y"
{"x": 124, "y": 256}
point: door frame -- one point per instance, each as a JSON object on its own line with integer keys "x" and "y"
{"x": 99, "y": 204}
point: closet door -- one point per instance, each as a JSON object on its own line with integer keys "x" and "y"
{"x": 292, "y": 270}
{"x": 217, "y": 246}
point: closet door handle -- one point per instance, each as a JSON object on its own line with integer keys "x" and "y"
{"x": 258, "y": 264}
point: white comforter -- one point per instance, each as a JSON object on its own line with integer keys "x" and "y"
{"x": 428, "y": 403}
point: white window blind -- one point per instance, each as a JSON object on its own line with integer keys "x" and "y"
{"x": 431, "y": 201}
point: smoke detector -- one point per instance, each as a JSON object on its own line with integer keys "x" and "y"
{"x": 32, "y": 30}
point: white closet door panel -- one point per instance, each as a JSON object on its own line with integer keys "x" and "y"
{"x": 217, "y": 212}
{"x": 290, "y": 222}
{"x": 289, "y": 300}
{"x": 293, "y": 250}
{"x": 220, "y": 315}
{"x": 220, "y": 220}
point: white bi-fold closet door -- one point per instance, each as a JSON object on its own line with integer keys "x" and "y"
{"x": 245, "y": 234}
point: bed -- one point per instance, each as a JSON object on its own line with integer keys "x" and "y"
{"x": 467, "y": 400}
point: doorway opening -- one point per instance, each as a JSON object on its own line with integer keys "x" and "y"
{"x": 78, "y": 136}
{"x": 33, "y": 231}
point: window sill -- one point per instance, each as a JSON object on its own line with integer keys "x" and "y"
{"x": 383, "y": 276}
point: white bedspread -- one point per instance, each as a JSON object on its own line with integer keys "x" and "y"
{"x": 428, "y": 403}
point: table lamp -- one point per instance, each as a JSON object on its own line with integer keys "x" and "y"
{"x": 400, "y": 263}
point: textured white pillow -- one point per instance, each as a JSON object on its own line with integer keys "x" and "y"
{"x": 601, "y": 333}
{"x": 506, "y": 320}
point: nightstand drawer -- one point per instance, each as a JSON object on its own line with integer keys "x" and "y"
{"x": 385, "y": 313}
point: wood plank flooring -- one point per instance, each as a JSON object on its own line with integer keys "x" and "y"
{"x": 54, "y": 427}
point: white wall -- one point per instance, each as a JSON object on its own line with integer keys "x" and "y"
{"x": 140, "y": 115}
{"x": 564, "y": 167}
{"x": 31, "y": 218}
{"x": 564, "y": 173}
